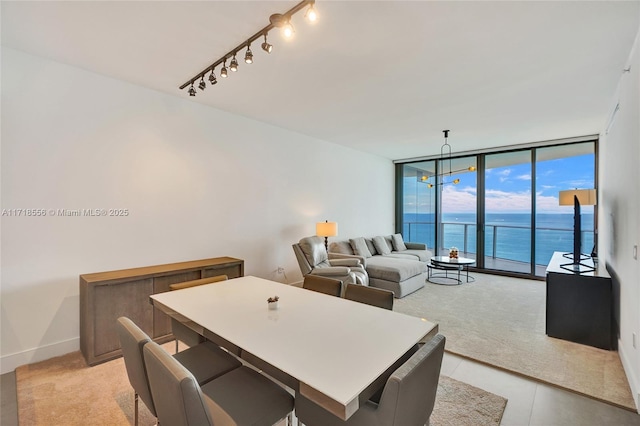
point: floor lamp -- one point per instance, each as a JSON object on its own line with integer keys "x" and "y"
{"x": 326, "y": 229}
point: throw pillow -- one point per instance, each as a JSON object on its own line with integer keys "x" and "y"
{"x": 381, "y": 245}
{"x": 398, "y": 243}
{"x": 359, "y": 247}
{"x": 370, "y": 246}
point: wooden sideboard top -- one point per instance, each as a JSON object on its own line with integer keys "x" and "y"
{"x": 157, "y": 269}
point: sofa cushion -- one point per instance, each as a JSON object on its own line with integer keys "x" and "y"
{"x": 381, "y": 245}
{"x": 423, "y": 255}
{"x": 359, "y": 247}
{"x": 398, "y": 243}
{"x": 342, "y": 247}
{"x": 371, "y": 246}
{"x": 403, "y": 255}
{"x": 394, "y": 269}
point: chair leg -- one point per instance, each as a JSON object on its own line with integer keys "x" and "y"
{"x": 135, "y": 408}
{"x": 176, "y": 345}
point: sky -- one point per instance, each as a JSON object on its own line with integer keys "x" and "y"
{"x": 508, "y": 188}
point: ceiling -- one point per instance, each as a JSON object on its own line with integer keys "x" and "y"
{"x": 385, "y": 77}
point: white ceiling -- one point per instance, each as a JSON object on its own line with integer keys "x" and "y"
{"x": 385, "y": 77}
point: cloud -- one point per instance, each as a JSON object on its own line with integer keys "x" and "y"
{"x": 524, "y": 177}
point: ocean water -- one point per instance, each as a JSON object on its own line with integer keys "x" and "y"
{"x": 507, "y": 236}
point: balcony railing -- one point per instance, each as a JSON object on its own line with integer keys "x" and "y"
{"x": 504, "y": 242}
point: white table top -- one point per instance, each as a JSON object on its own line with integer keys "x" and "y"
{"x": 453, "y": 261}
{"x": 336, "y": 347}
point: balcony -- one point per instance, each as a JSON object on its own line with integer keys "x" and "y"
{"x": 507, "y": 247}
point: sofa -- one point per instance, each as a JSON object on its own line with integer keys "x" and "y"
{"x": 390, "y": 262}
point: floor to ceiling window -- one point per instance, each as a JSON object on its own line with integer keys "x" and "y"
{"x": 499, "y": 208}
{"x": 507, "y": 218}
{"x": 559, "y": 168}
{"x": 457, "y": 194}
{"x": 418, "y": 210}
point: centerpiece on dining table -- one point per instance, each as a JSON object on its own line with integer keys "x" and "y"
{"x": 273, "y": 302}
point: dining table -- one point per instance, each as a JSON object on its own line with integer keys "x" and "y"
{"x": 334, "y": 348}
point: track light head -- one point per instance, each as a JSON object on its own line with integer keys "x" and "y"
{"x": 282, "y": 21}
{"x": 202, "y": 84}
{"x": 288, "y": 30}
{"x": 248, "y": 56}
{"x": 212, "y": 78}
{"x": 311, "y": 14}
{"x": 233, "y": 66}
{"x": 223, "y": 71}
{"x": 192, "y": 91}
{"x": 266, "y": 46}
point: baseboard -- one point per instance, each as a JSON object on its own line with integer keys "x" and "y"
{"x": 8, "y": 363}
{"x": 631, "y": 378}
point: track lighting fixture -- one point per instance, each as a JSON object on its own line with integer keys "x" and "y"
{"x": 248, "y": 56}
{"x": 280, "y": 20}
{"x": 223, "y": 71}
{"x": 266, "y": 46}
{"x": 233, "y": 66}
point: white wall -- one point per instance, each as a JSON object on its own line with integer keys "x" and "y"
{"x": 619, "y": 212}
{"x": 198, "y": 183}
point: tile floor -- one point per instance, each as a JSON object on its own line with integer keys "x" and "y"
{"x": 530, "y": 402}
{"x": 533, "y": 403}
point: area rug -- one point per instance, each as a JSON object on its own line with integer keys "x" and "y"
{"x": 500, "y": 321}
{"x": 64, "y": 391}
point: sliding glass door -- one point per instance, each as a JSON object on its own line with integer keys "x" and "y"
{"x": 418, "y": 209}
{"x": 458, "y": 200}
{"x": 507, "y": 218}
{"x": 561, "y": 168}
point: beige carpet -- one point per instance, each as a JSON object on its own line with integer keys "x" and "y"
{"x": 64, "y": 391}
{"x": 500, "y": 321}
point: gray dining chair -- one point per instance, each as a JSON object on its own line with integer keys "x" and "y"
{"x": 206, "y": 361}
{"x": 240, "y": 397}
{"x": 370, "y": 295}
{"x": 407, "y": 398}
{"x": 181, "y": 332}
{"x": 324, "y": 285}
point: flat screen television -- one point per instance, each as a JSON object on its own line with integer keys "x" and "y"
{"x": 577, "y": 257}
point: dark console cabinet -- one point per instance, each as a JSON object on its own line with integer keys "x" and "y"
{"x": 580, "y": 306}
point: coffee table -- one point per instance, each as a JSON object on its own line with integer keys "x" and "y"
{"x": 444, "y": 263}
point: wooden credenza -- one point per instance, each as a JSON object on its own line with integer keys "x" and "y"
{"x": 106, "y": 296}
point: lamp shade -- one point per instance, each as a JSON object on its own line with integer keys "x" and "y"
{"x": 586, "y": 197}
{"x": 326, "y": 229}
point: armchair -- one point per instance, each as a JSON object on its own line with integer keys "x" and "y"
{"x": 313, "y": 259}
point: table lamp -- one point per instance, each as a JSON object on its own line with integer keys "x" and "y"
{"x": 326, "y": 229}
{"x": 577, "y": 197}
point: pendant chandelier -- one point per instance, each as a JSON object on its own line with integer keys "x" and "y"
{"x": 445, "y": 157}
